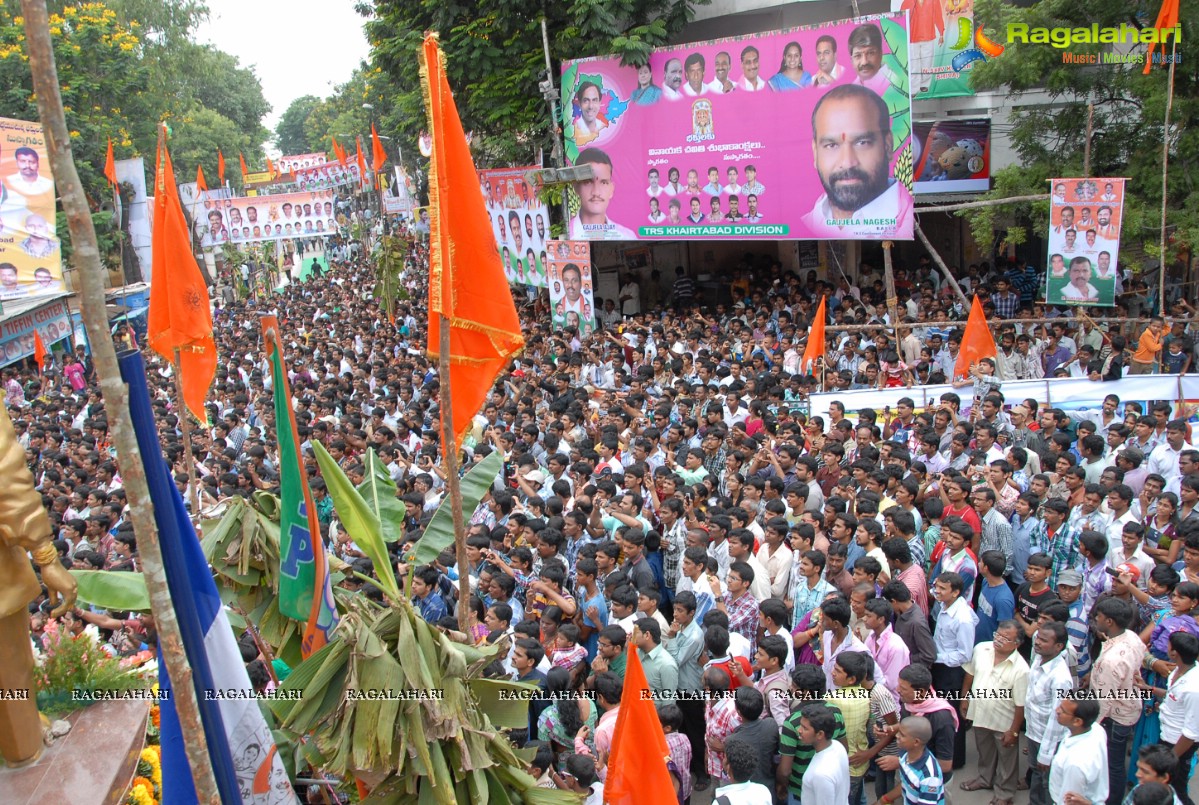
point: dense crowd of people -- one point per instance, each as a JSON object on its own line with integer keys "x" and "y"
{"x": 826, "y": 609}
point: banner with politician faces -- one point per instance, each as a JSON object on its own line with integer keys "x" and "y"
{"x": 1084, "y": 241}
{"x": 286, "y": 164}
{"x": 520, "y": 222}
{"x": 324, "y": 176}
{"x": 30, "y": 252}
{"x": 259, "y": 218}
{"x": 572, "y": 296}
{"x": 799, "y": 134}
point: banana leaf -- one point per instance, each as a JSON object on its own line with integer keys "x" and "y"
{"x": 379, "y": 492}
{"x": 503, "y": 702}
{"x": 358, "y": 519}
{"x": 439, "y": 534}
{"x": 113, "y": 590}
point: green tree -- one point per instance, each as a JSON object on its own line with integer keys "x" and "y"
{"x": 291, "y": 133}
{"x": 1129, "y": 111}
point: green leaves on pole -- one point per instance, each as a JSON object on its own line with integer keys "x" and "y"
{"x": 439, "y": 534}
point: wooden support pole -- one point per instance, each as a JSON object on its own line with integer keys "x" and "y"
{"x": 1161, "y": 279}
{"x": 449, "y": 451}
{"x": 185, "y": 427}
{"x": 953, "y": 283}
{"x": 986, "y": 202}
{"x": 87, "y": 264}
{"x": 889, "y": 286}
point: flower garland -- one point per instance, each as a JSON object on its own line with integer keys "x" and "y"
{"x": 147, "y": 785}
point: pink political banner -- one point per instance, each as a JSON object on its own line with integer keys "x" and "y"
{"x": 801, "y": 134}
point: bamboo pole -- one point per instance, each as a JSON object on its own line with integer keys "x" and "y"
{"x": 986, "y": 202}
{"x": 185, "y": 428}
{"x": 1161, "y": 279}
{"x": 889, "y": 287}
{"x": 957, "y": 289}
{"x": 86, "y": 259}
{"x": 450, "y": 453}
{"x": 857, "y": 328}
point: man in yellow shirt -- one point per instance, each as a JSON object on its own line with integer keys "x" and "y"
{"x": 1149, "y": 348}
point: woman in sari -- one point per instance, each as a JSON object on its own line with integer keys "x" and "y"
{"x": 1161, "y": 542}
{"x": 1180, "y": 616}
{"x": 570, "y": 710}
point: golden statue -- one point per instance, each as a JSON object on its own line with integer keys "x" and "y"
{"x": 24, "y": 529}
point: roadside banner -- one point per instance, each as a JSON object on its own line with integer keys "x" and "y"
{"x": 943, "y": 49}
{"x": 287, "y": 164}
{"x": 259, "y": 218}
{"x": 30, "y": 252}
{"x": 1084, "y": 241}
{"x": 520, "y": 222}
{"x": 572, "y": 301}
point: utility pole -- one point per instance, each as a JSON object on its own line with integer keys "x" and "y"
{"x": 550, "y": 93}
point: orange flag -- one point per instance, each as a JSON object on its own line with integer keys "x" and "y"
{"x": 361, "y": 161}
{"x": 378, "y": 155}
{"x": 270, "y": 167}
{"x": 816, "y": 345}
{"x": 339, "y": 153}
{"x": 39, "y": 351}
{"x": 976, "y": 343}
{"x": 220, "y": 166}
{"x": 179, "y": 317}
{"x": 244, "y": 169}
{"x": 1167, "y": 19}
{"x": 637, "y": 770}
{"x": 110, "y": 166}
{"x": 466, "y": 279}
{"x": 200, "y": 183}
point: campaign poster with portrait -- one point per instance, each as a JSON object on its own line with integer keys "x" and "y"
{"x": 520, "y": 222}
{"x": 801, "y": 134}
{"x": 30, "y": 253}
{"x": 52, "y": 322}
{"x": 260, "y": 218}
{"x": 326, "y": 175}
{"x": 952, "y": 156}
{"x": 572, "y": 291}
{"x": 943, "y": 49}
{"x": 295, "y": 162}
{"x": 1084, "y": 241}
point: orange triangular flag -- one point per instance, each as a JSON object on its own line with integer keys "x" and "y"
{"x": 39, "y": 351}
{"x": 110, "y": 166}
{"x": 220, "y": 166}
{"x": 270, "y": 167}
{"x": 977, "y": 342}
{"x": 1167, "y": 20}
{"x": 362, "y": 173}
{"x": 201, "y": 185}
{"x": 244, "y": 169}
{"x": 637, "y": 769}
{"x": 467, "y": 285}
{"x": 378, "y": 155}
{"x": 179, "y": 321}
{"x": 816, "y": 345}
{"x": 339, "y": 153}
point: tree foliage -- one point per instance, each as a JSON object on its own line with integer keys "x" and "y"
{"x": 1129, "y": 112}
{"x": 291, "y": 133}
{"x": 495, "y": 59}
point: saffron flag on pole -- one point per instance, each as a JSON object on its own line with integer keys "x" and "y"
{"x": 180, "y": 315}
{"x": 977, "y": 342}
{"x": 110, "y": 166}
{"x": 339, "y": 152}
{"x": 637, "y": 769}
{"x": 242, "y": 159}
{"x": 363, "y": 174}
{"x": 220, "y": 166}
{"x": 815, "y": 348}
{"x": 467, "y": 285}
{"x": 201, "y": 185}
{"x": 1167, "y": 22}
{"x": 305, "y": 592}
{"x": 39, "y": 351}
{"x": 241, "y": 749}
{"x": 378, "y": 155}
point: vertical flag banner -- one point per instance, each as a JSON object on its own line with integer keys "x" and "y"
{"x": 466, "y": 281}
{"x": 816, "y": 339}
{"x": 520, "y": 222}
{"x": 1167, "y": 17}
{"x": 572, "y": 294}
{"x": 378, "y": 154}
{"x": 242, "y": 159}
{"x": 942, "y": 50}
{"x": 362, "y": 171}
{"x": 220, "y": 166}
{"x": 30, "y": 253}
{"x": 747, "y": 138}
{"x": 245, "y": 760}
{"x": 305, "y": 592}
{"x": 977, "y": 341}
{"x": 39, "y": 352}
{"x": 110, "y": 166}
{"x": 180, "y": 315}
{"x": 201, "y": 185}
{"x": 637, "y": 770}
{"x": 1084, "y": 242}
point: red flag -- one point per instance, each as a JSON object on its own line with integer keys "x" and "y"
{"x": 244, "y": 169}
{"x": 977, "y": 342}
{"x": 200, "y": 183}
{"x": 466, "y": 279}
{"x": 1167, "y": 21}
{"x": 110, "y": 166}
{"x": 39, "y": 351}
{"x": 816, "y": 345}
{"x": 220, "y": 166}
{"x": 180, "y": 317}
{"x": 378, "y": 155}
{"x": 637, "y": 770}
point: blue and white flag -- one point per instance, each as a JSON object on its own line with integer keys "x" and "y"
{"x": 241, "y": 749}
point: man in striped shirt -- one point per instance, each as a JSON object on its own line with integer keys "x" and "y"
{"x": 921, "y": 781}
